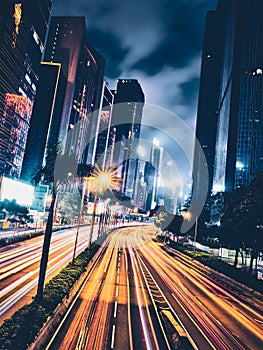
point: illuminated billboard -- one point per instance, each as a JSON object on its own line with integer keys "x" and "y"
{"x": 13, "y": 189}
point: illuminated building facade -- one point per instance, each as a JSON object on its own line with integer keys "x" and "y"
{"x": 230, "y": 116}
{"x": 149, "y": 178}
{"x": 105, "y": 134}
{"x": 44, "y": 131}
{"x": 239, "y": 142}
{"x": 126, "y": 118}
{"x": 156, "y": 160}
{"x": 23, "y": 26}
{"x": 83, "y": 68}
{"x": 206, "y": 125}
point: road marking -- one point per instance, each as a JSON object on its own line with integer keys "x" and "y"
{"x": 118, "y": 278}
{"x": 118, "y": 270}
{"x": 112, "y": 336}
{"x": 115, "y": 309}
{"x": 117, "y": 290}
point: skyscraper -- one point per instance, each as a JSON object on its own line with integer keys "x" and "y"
{"x": 230, "y": 113}
{"x": 68, "y": 97}
{"x": 83, "y": 68}
{"x": 156, "y": 160}
{"x": 23, "y": 26}
{"x": 239, "y": 141}
{"x": 126, "y": 118}
{"x": 206, "y": 126}
{"x": 105, "y": 132}
{"x": 46, "y": 117}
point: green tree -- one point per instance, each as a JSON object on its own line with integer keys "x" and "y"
{"x": 243, "y": 218}
{"x": 14, "y": 211}
{"x": 69, "y": 206}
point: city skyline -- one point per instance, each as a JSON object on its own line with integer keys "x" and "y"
{"x": 163, "y": 52}
{"x": 131, "y": 172}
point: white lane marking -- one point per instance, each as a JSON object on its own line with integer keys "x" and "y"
{"x": 117, "y": 291}
{"x": 115, "y": 309}
{"x": 112, "y": 336}
{"x": 118, "y": 278}
{"x": 118, "y": 270}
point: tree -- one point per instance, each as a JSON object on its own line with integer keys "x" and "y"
{"x": 54, "y": 173}
{"x": 174, "y": 224}
{"x": 243, "y": 218}
{"x": 15, "y": 213}
{"x": 69, "y": 206}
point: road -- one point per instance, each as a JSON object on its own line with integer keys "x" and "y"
{"x": 19, "y": 266}
{"x": 140, "y": 296}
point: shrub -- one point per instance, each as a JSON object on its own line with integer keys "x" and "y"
{"x": 19, "y": 331}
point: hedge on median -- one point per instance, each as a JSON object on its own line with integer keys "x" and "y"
{"x": 19, "y": 331}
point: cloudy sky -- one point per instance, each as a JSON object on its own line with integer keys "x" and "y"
{"x": 158, "y": 42}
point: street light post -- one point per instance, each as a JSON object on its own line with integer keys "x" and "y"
{"x": 195, "y": 236}
{"x": 102, "y": 181}
{"x": 92, "y": 220}
{"x": 80, "y": 215}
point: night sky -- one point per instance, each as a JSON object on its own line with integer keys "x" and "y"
{"x": 158, "y": 42}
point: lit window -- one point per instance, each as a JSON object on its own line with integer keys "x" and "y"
{"x": 28, "y": 79}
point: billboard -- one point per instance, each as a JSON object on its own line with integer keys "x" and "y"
{"x": 18, "y": 190}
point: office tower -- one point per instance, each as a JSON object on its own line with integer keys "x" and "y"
{"x": 105, "y": 135}
{"x": 140, "y": 186}
{"x": 46, "y": 117}
{"x": 126, "y": 118}
{"x": 239, "y": 142}
{"x": 238, "y": 151}
{"x": 149, "y": 178}
{"x": 206, "y": 125}
{"x": 23, "y": 26}
{"x": 83, "y": 68}
{"x": 156, "y": 157}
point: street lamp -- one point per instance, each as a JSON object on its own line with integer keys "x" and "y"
{"x": 187, "y": 215}
{"x": 80, "y": 214}
{"x": 102, "y": 180}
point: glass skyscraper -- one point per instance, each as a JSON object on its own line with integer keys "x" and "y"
{"x": 239, "y": 141}
{"x": 83, "y": 68}
{"x": 230, "y": 112}
{"x": 126, "y": 118}
{"x": 23, "y": 26}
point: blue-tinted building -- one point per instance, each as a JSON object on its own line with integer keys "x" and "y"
{"x": 239, "y": 141}
{"x": 230, "y": 113}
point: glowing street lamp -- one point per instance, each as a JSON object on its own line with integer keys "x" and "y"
{"x": 102, "y": 180}
{"x": 187, "y": 215}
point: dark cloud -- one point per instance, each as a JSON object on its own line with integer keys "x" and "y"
{"x": 189, "y": 89}
{"x": 158, "y": 42}
{"x": 183, "y": 23}
{"x": 110, "y": 47}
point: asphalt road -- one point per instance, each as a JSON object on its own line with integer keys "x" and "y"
{"x": 140, "y": 296}
{"x": 19, "y": 266}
